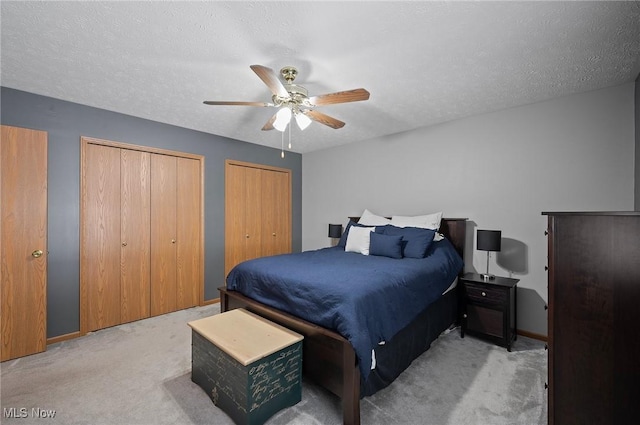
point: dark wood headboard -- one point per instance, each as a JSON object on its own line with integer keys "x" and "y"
{"x": 454, "y": 229}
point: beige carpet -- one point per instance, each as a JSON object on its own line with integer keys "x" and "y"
{"x": 139, "y": 373}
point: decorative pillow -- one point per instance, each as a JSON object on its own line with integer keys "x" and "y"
{"x": 429, "y": 221}
{"x": 370, "y": 219}
{"x": 343, "y": 239}
{"x": 416, "y": 241}
{"x": 385, "y": 245}
{"x": 358, "y": 239}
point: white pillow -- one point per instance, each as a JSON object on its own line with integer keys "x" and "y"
{"x": 358, "y": 239}
{"x": 429, "y": 221}
{"x": 370, "y": 219}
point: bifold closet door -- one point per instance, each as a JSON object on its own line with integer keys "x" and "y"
{"x": 243, "y": 214}
{"x": 116, "y": 257}
{"x": 163, "y": 234}
{"x": 135, "y": 210}
{"x": 175, "y": 233}
{"x": 188, "y": 233}
{"x": 23, "y": 246}
{"x": 141, "y": 238}
{"x": 276, "y": 212}
{"x": 101, "y": 237}
{"x": 257, "y": 212}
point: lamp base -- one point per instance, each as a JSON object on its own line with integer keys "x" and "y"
{"x": 487, "y": 276}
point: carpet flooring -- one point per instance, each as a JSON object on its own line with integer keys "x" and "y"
{"x": 139, "y": 373}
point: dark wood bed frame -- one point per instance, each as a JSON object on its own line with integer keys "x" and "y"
{"x": 329, "y": 358}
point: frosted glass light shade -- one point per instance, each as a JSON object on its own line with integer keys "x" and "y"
{"x": 302, "y": 120}
{"x": 283, "y": 117}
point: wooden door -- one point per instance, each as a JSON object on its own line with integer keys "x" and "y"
{"x": 242, "y": 214}
{"x": 23, "y": 235}
{"x": 234, "y": 227}
{"x": 253, "y": 219}
{"x": 276, "y": 212}
{"x": 163, "y": 233}
{"x": 139, "y": 255}
{"x": 188, "y": 221}
{"x": 100, "y": 241}
{"x": 135, "y": 239}
{"x": 257, "y": 212}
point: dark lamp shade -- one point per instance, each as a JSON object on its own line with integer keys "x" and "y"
{"x": 489, "y": 240}
{"x": 335, "y": 230}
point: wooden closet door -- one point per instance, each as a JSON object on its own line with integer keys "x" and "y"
{"x": 100, "y": 239}
{"x": 276, "y": 211}
{"x": 23, "y": 247}
{"x": 163, "y": 233}
{"x": 188, "y": 233}
{"x": 257, "y": 212}
{"x": 253, "y": 218}
{"x": 243, "y": 214}
{"x": 135, "y": 266}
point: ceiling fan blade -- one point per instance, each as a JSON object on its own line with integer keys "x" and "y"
{"x": 222, "y": 102}
{"x": 324, "y": 119}
{"x": 340, "y": 97}
{"x": 270, "y": 78}
{"x": 269, "y": 124}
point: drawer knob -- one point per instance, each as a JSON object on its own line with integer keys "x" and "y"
{"x": 464, "y": 315}
{"x": 484, "y": 294}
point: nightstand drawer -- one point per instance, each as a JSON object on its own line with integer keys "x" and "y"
{"x": 483, "y": 294}
{"x": 488, "y": 308}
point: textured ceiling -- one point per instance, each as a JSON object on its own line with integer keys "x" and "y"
{"x": 423, "y": 62}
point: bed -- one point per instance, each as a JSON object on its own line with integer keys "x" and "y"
{"x": 335, "y": 356}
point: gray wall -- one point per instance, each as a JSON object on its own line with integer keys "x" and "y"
{"x": 637, "y": 119}
{"x": 501, "y": 170}
{"x": 65, "y": 122}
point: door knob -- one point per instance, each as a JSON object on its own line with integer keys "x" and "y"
{"x": 37, "y": 253}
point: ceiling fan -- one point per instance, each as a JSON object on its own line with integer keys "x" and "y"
{"x": 294, "y": 101}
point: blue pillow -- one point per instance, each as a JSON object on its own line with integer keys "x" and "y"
{"x": 385, "y": 245}
{"x": 416, "y": 240}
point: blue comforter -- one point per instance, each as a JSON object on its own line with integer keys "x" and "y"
{"x": 364, "y": 298}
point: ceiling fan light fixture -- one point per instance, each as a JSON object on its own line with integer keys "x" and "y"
{"x": 293, "y": 100}
{"x": 302, "y": 120}
{"x": 283, "y": 117}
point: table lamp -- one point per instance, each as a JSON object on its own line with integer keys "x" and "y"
{"x": 488, "y": 240}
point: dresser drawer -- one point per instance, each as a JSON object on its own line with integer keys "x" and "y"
{"x": 483, "y": 294}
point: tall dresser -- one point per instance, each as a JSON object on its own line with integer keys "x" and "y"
{"x": 594, "y": 317}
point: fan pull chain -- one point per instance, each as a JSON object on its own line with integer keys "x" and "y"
{"x": 282, "y": 146}
{"x": 289, "y": 135}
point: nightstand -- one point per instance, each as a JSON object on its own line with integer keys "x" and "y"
{"x": 488, "y": 308}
